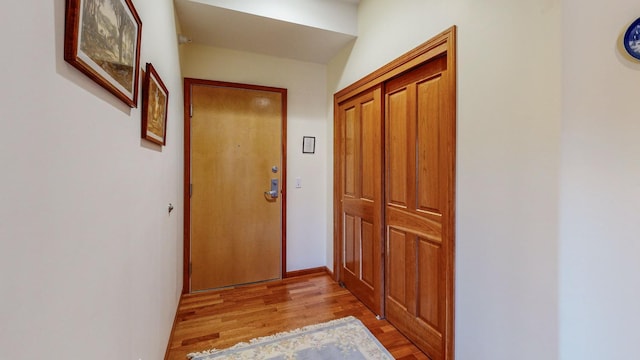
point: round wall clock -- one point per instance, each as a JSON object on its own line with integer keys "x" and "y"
{"x": 631, "y": 39}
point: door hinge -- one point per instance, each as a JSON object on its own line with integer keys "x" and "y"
{"x": 190, "y": 190}
{"x": 190, "y": 110}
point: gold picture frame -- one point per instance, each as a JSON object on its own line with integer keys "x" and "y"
{"x": 155, "y": 103}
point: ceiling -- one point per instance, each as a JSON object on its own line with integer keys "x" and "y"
{"x": 220, "y": 27}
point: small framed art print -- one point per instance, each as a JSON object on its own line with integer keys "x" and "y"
{"x": 308, "y": 144}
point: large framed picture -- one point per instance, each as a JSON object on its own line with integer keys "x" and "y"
{"x": 155, "y": 102}
{"x": 102, "y": 39}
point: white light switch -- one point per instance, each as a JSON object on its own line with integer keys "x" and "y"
{"x": 298, "y": 183}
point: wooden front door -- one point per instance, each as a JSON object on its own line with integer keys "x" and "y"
{"x": 361, "y": 236}
{"x": 236, "y": 154}
{"x": 419, "y": 193}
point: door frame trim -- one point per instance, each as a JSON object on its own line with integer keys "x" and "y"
{"x": 188, "y": 83}
{"x": 443, "y": 43}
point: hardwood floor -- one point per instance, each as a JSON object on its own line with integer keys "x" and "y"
{"x": 222, "y": 318}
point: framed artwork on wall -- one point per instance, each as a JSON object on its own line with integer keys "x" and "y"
{"x": 308, "y": 144}
{"x": 155, "y": 103}
{"x": 102, "y": 40}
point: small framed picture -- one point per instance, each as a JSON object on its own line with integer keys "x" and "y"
{"x": 155, "y": 101}
{"x": 102, "y": 39}
{"x": 308, "y": 144}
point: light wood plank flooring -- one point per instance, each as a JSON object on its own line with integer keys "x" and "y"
{"x": 222, "y": 318}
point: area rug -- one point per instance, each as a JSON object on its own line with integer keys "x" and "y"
{"x": 345, "y": 338}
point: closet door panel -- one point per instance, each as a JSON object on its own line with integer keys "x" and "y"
{"x": 417, "y": 194}
{"x": 428, "y": 144}
{"x": 361, "y": 207}
{"x": 397, "y": 148}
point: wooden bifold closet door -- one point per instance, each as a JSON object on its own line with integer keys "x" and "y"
{"x": 395, "y": 136}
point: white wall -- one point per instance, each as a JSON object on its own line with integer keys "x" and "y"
{"x": 600, "y": 181}
{"x": 307, "y": 114}
{"x": 509, "y": 110}
{"x": 90, "y": 261}
{"x": 335, "y": 72}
